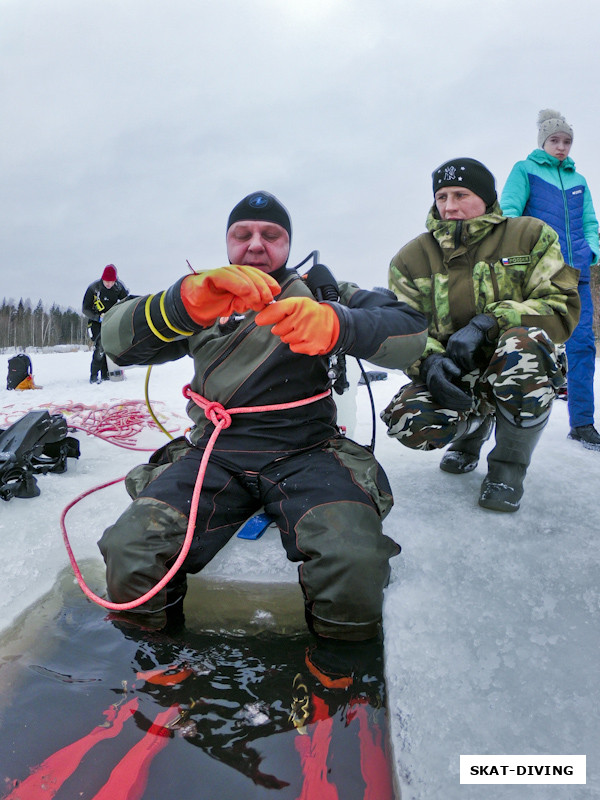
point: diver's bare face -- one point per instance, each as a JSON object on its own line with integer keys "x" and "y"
{"x": 254, "y": 243}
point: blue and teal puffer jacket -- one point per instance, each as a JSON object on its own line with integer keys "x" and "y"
{"x": 551, "y": 190}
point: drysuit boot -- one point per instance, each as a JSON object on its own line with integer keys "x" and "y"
{"x": 463, "y": 454}
{"x": 502, "y": 487}
{"x": 338, "y": 664}
{"x": 170, "y": 620}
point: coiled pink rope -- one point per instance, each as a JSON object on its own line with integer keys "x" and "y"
{"x": 221, "y": 419}
{"x": 120, "y": 424}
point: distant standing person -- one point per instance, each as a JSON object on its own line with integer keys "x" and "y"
{"x": 547, "y": 186}
{"x": 98, "y": 298}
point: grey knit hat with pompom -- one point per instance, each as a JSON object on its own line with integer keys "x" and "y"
{"x": 550, "y": 121}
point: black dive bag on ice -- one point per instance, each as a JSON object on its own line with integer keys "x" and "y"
{"x": 35, "y": 444}
{"x": 19, "y": 367}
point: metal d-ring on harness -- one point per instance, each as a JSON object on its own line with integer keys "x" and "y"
{"x": 323, "y": 285}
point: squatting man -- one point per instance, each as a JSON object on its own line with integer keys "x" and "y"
{"x": 498, "y": 298}
{"x": 259, "y": 337}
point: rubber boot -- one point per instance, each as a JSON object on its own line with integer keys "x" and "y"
{"x": 502, "y": 488}
{"x": 463, "y": 454}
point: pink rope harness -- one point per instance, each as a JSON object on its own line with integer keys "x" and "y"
{"x": 221, "y": 419}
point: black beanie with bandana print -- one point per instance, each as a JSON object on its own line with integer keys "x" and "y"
{"x": 469, "y": 173}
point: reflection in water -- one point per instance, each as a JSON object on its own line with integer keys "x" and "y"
{"x": 99, "y": 709}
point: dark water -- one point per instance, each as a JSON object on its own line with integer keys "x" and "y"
{"x": 90, "y": 709}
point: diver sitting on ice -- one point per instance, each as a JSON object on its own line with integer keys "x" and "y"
{"x": 261, "y": 343}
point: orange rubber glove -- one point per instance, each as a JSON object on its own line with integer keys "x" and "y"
{"x": 225, "y": 291}
{"x": 307, "y": 326}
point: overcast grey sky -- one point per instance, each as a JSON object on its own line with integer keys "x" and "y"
{"x": 130, "y": 128}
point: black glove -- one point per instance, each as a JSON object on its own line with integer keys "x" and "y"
{"x": 439, "y": 372}
{"x": 463, "y": 346}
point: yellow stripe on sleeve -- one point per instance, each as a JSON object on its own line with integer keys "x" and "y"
{"x": 151, "y": 325}
{"x": 167, "y": 323}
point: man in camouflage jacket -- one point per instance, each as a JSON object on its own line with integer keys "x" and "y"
{"x": 498, "y": 298}
{"x": 258, "y": 337}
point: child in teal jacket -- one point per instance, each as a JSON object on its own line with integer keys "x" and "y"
{"x": 545, "y": 185}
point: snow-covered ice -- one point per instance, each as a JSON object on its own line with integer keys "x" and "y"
{"x": 491, "y": 620}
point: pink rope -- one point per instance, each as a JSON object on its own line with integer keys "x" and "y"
{"x": 119, "y": 424}
{"x": 221, "y": 419}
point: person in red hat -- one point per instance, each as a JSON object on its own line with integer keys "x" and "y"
{"x": 98, "y": 298}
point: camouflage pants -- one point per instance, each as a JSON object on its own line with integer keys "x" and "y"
{"x": 522, "y": 377}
